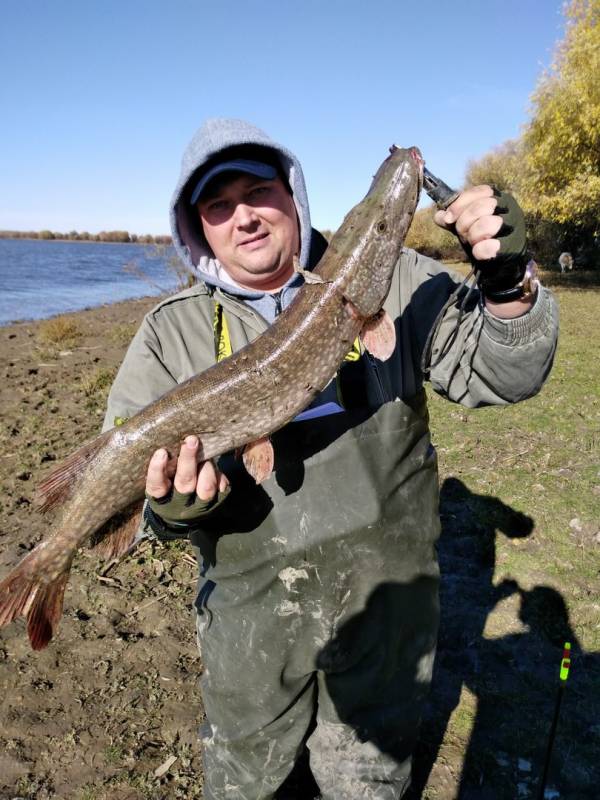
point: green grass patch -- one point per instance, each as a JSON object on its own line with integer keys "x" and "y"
{"x": 123, "y": 333}
{"x": 96, "y": 385}
{"x": 541, "y": 457}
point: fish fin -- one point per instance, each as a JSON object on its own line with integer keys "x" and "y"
{"x": 259, "y": 458}
{"x": 116, "y": 536}
{"x": 379, "y": 335}
{"x": 45, "y": 611}
{"x": 309, "y": 277}
{"x": 58, "y": 486}
{"x": 22, "y": 594}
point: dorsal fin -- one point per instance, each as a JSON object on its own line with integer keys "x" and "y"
{"x": 58, "y": 486}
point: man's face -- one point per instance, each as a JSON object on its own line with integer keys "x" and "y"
{"x": 251, "y": 226}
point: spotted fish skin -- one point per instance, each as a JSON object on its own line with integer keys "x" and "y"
{"x": 247, "y": 396}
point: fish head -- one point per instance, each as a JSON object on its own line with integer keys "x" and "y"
{"x": 371, "y": 237}
{"x": 394, "y": 186}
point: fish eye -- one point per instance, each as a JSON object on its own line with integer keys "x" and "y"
{"x": 381, "y": 226}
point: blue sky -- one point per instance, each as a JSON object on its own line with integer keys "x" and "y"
{"x": 98, "y": 98}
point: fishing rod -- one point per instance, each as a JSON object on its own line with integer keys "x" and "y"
{"x": 443, "y": 196}
{"x": 565, "y": 666}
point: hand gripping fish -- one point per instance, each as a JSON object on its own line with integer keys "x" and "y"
{"x": 234, "y": 404}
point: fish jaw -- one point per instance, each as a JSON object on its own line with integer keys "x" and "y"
{"x": 383, "y": 218}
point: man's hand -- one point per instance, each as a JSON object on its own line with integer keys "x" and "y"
{"x": 471, "y": 216}
{"x": 491, "y": 226}
{"x": 181, "y": 488}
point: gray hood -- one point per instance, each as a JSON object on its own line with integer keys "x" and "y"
{"x": 216, "y": 135}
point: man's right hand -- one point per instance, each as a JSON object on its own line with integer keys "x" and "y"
{"x": 183, "y": 489}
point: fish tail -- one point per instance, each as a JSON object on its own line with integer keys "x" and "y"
{"x": 23, "y": 594}
{"x": 59, "y": 485}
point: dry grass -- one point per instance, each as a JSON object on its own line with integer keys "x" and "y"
{"x": 59, "y": 331}
{"x": 123, "y": 333}
{"x": 97, "y": 384}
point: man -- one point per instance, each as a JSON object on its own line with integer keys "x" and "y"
{"x": 317, "y": 604}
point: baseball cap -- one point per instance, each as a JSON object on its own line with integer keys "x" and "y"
{"x": 257, "y": 168}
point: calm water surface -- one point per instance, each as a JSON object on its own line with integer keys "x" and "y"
{"x": 40, "y": 278}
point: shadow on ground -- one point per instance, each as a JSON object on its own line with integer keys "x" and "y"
{"x": 511, "y": 680}
{"x": 485, "y": 731}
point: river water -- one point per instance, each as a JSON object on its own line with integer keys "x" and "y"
{"x": 40, "y": 278}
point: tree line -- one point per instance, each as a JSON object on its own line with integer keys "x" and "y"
{"x": 553, "y": 168}
{"x": 123, "y": 237}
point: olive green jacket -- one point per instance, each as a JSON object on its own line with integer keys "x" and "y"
{"x": 489, "y": 361}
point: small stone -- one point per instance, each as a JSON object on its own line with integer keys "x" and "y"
{"x": 575, "y": 524}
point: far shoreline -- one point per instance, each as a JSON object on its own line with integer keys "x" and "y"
{"x": 86, "y": 310}
{"x": 81, "y": 241}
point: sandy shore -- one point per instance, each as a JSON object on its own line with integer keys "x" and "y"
{"x": 102, "y": 706}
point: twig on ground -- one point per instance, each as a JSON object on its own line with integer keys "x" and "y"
{"x": 146, "y": 605}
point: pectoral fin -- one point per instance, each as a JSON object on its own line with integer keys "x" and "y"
{"x": 378, "y": 335}
{"x": 309, "y": 277}
{"x": 259, "y": 458}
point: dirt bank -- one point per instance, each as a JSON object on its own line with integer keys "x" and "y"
{"x": 115, "y": 696}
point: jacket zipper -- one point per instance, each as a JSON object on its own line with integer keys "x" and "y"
{"x": 378, "y": 380}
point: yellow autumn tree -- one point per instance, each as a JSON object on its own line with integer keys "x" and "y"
{"x": 561, "y": 144}
{"x": 501, "y": 167}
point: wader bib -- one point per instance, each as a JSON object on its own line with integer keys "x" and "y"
{"x": 318, "y": 600}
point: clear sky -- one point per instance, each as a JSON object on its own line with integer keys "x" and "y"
{"x": 98, "y": 98}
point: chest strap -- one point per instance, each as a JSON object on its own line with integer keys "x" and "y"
{"x": 222, "y": 339}
{"x": 221, "y": 334}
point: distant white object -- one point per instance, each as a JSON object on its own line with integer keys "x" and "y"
{"x": 565, "y": 262}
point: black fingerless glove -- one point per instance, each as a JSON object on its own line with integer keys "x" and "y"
{"x": 500, "y": 277}
{"x": 176, "y": 515}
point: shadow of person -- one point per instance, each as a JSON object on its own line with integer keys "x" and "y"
{"x": 516, "y": 690}
{"x": 467, "y": 554}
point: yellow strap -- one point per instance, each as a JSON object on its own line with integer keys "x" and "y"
{"x": 221, "y": 331}
{"x": 354, "y": 353}
{"x": 223, "y": 342}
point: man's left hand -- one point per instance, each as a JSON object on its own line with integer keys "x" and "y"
{"x": 491, "y": 226}
{"x": 471, "y": 216}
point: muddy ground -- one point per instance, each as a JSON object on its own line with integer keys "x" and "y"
{"x": 111, "y": 708}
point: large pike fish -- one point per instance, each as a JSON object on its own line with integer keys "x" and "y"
{"x": 234, "y": 404}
